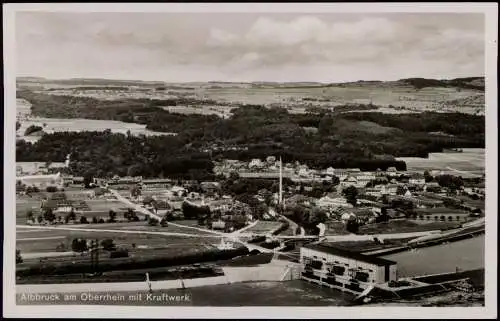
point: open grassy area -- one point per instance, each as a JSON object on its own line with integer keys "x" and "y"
{"x": 143, "y": 226}
{"x": 374, "y": 128}
{"x": 370, "y": 245}
{"x": 404, "y": 226}
{"x": 23, "y": 205}
{"x": 471, "y": 160}
{"x": 105, "y": 205}
{"x": 47, "y": 241}
{"x": 263, "y": 227}
{"x": 335, "y": 228}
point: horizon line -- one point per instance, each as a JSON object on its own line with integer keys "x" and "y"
{"x": 242, "y": 82}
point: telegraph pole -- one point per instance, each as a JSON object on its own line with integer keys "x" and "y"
{"x": 96, "y": 255}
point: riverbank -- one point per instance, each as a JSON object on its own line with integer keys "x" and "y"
{"x": 436, "y": 240}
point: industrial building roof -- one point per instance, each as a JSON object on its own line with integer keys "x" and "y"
{"x": 349, "y": 254}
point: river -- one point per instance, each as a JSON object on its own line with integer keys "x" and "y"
{"x": 289, "y": 293}
{"x": 467, "y": 254}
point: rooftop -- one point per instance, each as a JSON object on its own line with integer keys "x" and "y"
{"x": 349, "y": 254}
{"x": 440, "y": 210}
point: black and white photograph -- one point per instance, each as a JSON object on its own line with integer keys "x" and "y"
{"x": 224, "y": 160}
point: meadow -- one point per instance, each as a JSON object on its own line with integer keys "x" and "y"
{"x": 143, "y": 226}
{"x": 264, "y": 227}
{"x": 470, "y": 160}
{"x": 47, "y": 240}
{"x": 405, "y": 226}
{"x": 25, "y": 204}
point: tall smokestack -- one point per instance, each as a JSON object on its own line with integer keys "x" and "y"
{"x": 280, "y": 197}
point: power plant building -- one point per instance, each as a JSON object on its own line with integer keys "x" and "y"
{"x": 343, "y": 269}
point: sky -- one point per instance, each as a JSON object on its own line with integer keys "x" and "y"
{"x": 185, "y": 47}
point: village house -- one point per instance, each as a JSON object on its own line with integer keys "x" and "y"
{"x": 330, "y": 171}
{"x": 350, "y": 181}
{"x": 222, "y": 205}
{"x": 271, "y": 160}
{"x": 474, "y": 189}
{"x": 363, "y": 178}
{"x": 299, "y": 199}
{"x": 256, "y": 164}
{"x": 41, "y": 181}
{"x": 219, "y": 225}
{"x": 341, "y": 173}
{"x": 63, "y": 209}
{"x": 441, "y": 214}
{"x": 333, "y": 200}
{"x": 417, "y": 179}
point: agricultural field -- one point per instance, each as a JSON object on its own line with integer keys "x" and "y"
{"x": 370, "y": 245}
{"x": 405, "y": 226}
{"x": 335, "y": 228}
{"x": 51, "y": 125}
{"x": 264, "y": 227}
{"x": 105, "y": 205}
{"x": 143, "y": 226}
{"x": 470, "y": 160}
{"x": 23, "y": 205}
{"x": 47, "y": 240}
{"x": 375, "y": 128}
{"x": 77, "y": 194}
{"x": 380, "y": 94}
{"x": 390, "y": 95}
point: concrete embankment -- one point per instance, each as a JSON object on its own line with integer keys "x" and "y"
{"x": 119, "y": 286}
{"x": 427, "y": 242}
{"x": 269, "y": 272}
{"x": 276, "y": 271}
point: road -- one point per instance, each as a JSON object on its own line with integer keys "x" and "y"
{"x": 354, "y": 237}
{"x": 37, "y": 255}
{"x": 41, "y": 238}
{"x": 66, "y": 228}
{"x": 149, "y": 213}
{"x": 240, "y": 231}
{"x": 232, "y": 237}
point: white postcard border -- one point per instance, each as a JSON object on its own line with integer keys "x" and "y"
{"x": 489, "y": 311}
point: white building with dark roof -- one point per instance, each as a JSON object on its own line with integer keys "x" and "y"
{"x": 345, "y": 270}
{"x": 42, "y": 181}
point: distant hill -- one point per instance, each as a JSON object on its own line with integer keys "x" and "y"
{"x": 466, "y": 83}
{"x": 89, "y": 81}
{"x": 474, "y": 83}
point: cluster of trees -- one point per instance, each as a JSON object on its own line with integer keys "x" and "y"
{"x": 320, "y": 189}
{"x": 192, "y": 212}
{"x": 452, "y": 182}
{"x": 235, "y": 185}
{"x": 32, "y": 129}
{"x": 131, "y": 215}
{"x": 79, "y": 245}
{"x": 47, "y": 215}
{"x": 458, "y": 124}
{"x": 103, "y": 154}
{"x": 307, "y": 217}
{"x": 466, "y": 83}
{"x": 19, "y": 258}
{"x": 351, "y": 194}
